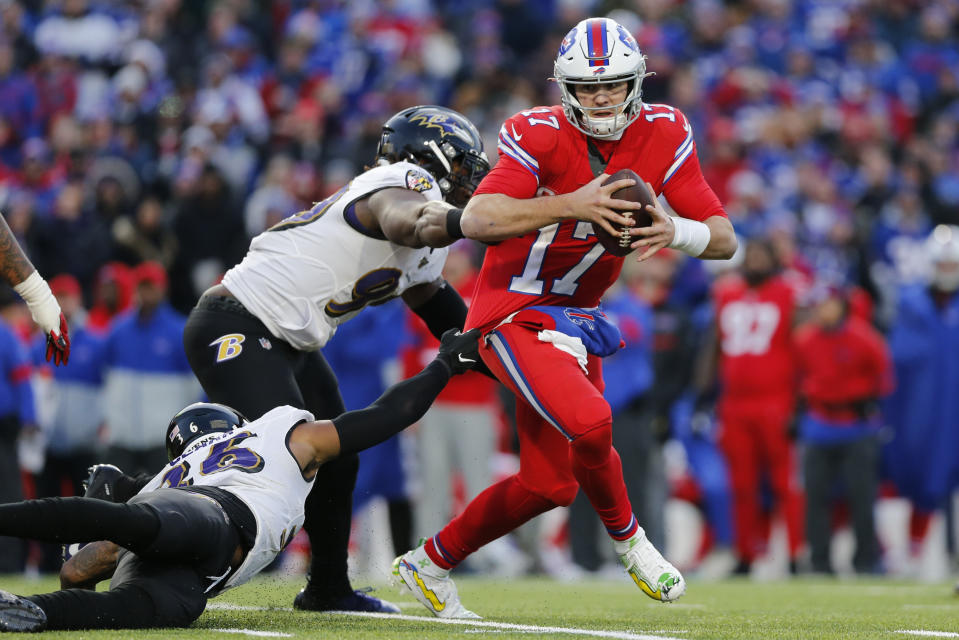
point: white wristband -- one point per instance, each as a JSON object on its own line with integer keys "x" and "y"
{"x": 689, "y": 236}
{"x": 43, "y": 306}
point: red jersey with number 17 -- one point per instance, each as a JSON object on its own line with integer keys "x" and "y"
{"x": 541, "y": 153}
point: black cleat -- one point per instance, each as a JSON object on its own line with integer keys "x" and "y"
{"x": 19, "y": 614}
{"x": 308, "y": 600}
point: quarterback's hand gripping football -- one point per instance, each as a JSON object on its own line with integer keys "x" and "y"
{"x": 460, "y": 351}
{"x": 657, "y": 235}
{"x": 593, "y": 202}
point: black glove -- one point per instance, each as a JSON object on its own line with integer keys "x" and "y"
{"x": 101, "y": 483}
{"x": 460, "y": 351}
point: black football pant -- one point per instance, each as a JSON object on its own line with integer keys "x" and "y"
{"x": 178, "y": 545}
{"x": 12, "y": 550}
{"x": 856, "y": 466}
{"x": 263, "y": 372}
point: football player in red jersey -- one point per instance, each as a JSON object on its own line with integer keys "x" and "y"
{"x": 541, "y": 282}
{"x": 758, "y": 378}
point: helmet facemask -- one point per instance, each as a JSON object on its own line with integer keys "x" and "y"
{"x": 462, "y": 169}
{"x": 625, "y": 112}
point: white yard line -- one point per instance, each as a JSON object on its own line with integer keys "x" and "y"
{"x": 508, "y": 626}
{"x": 929, "y": 634}
{"x": 251, "y": 632}
{"x": 229, "y": 606}
{"x": 475, "y": 624}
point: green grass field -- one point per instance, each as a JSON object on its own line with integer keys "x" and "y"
{"x": 589, "y": 609}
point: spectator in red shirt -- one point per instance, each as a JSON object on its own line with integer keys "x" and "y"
{"x": 113, "y": 294}
{"x": 844, "y": 368}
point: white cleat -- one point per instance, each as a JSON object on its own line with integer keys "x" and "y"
{"x": 436, "y": 592}
{"x": 651, "y": 572}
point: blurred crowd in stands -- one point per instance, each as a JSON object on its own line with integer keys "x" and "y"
{"x": 143, "y": 143}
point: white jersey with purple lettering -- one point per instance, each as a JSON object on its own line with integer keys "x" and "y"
{"x": 253, "y": 463}
{"x": 320, "y": 267}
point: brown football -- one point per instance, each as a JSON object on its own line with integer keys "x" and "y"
{"x": 618, "y": 245}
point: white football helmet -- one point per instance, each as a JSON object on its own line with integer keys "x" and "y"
{"x": 599, "y": 50}
{"x": 942, "y": 247}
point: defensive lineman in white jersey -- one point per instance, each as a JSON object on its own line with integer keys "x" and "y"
{"x": 227, "y": 503}
{"x": 339, "y": 265}
{"x": 252, "y": 463}
{"x": 253, "y": 341}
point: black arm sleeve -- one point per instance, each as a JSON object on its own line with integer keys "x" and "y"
{"x": 400, "y": 406}
{"x": 445, "y": 310}
{"x": 128, "y": 486}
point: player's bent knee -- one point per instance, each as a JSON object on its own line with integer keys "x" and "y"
{"x": 174, "y": 608}
{"x": 560, "y": 495}
{"x": 593, "y": 447}
{"x": 556, "y": 494}
{"x": 589, "y": 415}
{"x": 564, "y": 495}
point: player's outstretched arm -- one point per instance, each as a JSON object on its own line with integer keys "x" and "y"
{"x": 395, "y": 212}
{"x": 313, "y": 443}
{"x": 19, "y": 272}
{"x": 15, "y": 267}
{"x": 492, "y": 217}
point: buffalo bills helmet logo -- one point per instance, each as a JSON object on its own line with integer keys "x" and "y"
{"x": 626, "y": 38}
{"x": 567, "y": 42}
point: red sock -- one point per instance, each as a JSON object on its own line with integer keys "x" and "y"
{"x": 919, "y": 521}
{"x": 493, "y": 513}
{"x": 599, "y": 471}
